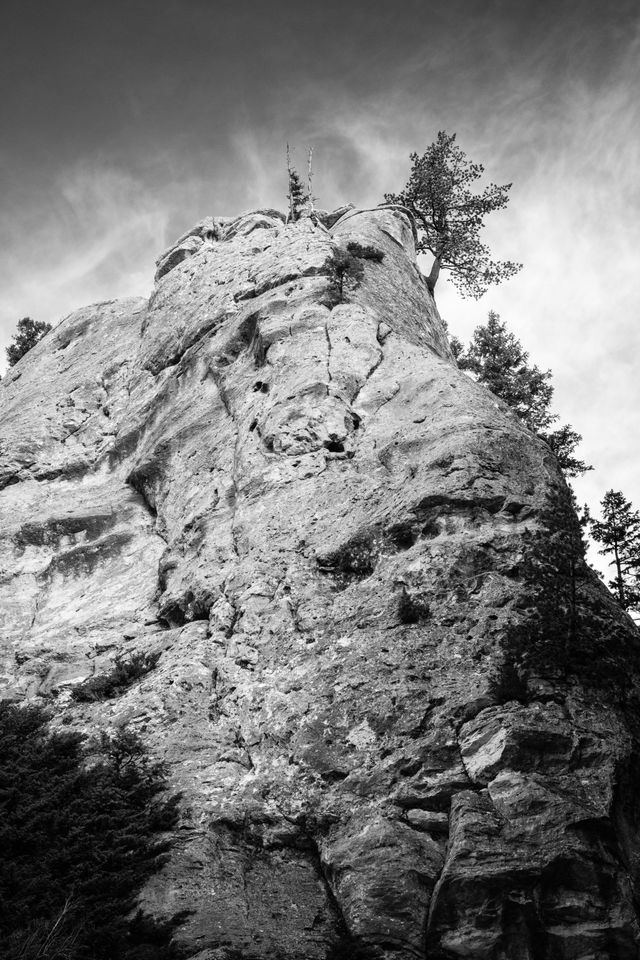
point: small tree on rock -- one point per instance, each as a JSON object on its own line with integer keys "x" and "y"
{"x": 296, "y": 195}
{"x": 619, "y": 534}
{"x": 449, "y": 216}
{"x": 496, "y": 358}
{"x": 346, "y": 267}
{"x": 28, "y": 334}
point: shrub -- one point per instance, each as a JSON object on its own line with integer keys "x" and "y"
{"x": 29, "y": 333}
{"x": 346, "y": 266}
{"x": 113, "y": 684}
{"x": 79, "y": 839}
{"x": 365, "y": 252}
{"x": 542, "y": 638}
{"x": 413, "y": 607}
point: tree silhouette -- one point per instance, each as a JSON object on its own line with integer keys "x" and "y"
{"x": 449, "y": 216}
{"x": 80, "y": 832}
{"x": 619, "y": 534}
{"x": 496, "y": 358}
{"x": 296, "y": 195}
{"x": 28, "y": 334}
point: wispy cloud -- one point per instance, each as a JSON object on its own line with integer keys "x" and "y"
{"x": 575, "y": 223}
{"x": 570, "y": 142}
{"x": 546, "y": 99}
{"x": 96, "y": 237}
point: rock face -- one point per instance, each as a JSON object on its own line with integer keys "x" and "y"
{"x": 402, "y": 711}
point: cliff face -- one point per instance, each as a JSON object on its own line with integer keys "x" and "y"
{"x": 402, "y": 711}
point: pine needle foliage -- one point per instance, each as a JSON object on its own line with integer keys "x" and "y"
{"x": 541, "y": 641}
{"x": 124, "y": 673}
{"x": 28, "y": 334}
{"x": 79, "y": 838}
{"x": 561, "y": 629}
{"x": 347, "y": 267}
{"x": 296, "y": 195}
{"x": 618, "y": 532}
{"x": 497, "y": 359}
{"x": 449, "y": 216}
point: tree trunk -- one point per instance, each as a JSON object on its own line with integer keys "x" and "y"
{"x": 619, "y": 577}
{"x": 310, "y": 179}
{"x": 432, "y": 279}
{"x": 291, "y": 216}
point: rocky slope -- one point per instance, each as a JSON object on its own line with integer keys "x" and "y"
{"x": 403, "y": 712}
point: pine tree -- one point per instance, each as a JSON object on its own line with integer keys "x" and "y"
{"x": 449, "y": 216}
{"x": 28, "y": 334}
{"x": 296, "y": 195}
{"x": 347, "y": 266}
{"x": 496, "y": 358}
{"x": 79, "y": 834}
{"x": 542, "y": 639}
{"x": 619, "y": 533}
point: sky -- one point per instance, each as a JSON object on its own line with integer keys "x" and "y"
{"x": 124, "y": 122}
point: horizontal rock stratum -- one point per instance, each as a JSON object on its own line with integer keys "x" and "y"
{"x": 402, "y": 710}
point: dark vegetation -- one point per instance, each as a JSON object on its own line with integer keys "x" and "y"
{"x": 124, "y": 673}
{"x": 29, "y": 332}
{"x": 297, "y": 197}
{"x": 296, "y": 194}
{"x": 562, "y": 629}
{"x": 354, "y": 560}
{"x": 82, "y": 828}
{"x": 413, "y": 607}
{"x": 352, "y": 948}
{"x": 618, "y": 532}
{"x": 357, "y": 557}
{"x": 497, "y": 359}
{"x": 541, "y": 639}
{"x": 365, "y": 251}
{"x": 346, "y": 267}
{"x": 449, "y": 216}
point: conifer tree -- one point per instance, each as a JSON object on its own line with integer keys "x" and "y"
{"x": 449, "y": 216}
{"x": 79, "y": 834}
{"x": 28, "y": 334}
{"x": 541, "y": 639}
{"x": 619, "y": 534}
{"x": 296, "y": 195}
{"x": 496, "y": 358}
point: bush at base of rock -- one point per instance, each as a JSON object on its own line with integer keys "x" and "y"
{"x": 79, "y": 837}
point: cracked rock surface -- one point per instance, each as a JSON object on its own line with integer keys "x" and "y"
{"x": 402, "y": 711}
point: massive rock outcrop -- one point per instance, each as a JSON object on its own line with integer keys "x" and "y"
{"x": 401, "y": 709}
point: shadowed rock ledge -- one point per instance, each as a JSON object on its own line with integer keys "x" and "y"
{"x": 402, "y": 710}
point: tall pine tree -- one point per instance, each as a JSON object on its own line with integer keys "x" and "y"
{"x": 619, "y": 534}
{"x": 496, "y": 358}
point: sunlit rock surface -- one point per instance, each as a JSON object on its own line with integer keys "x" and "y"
{"x": 403, "y": 714}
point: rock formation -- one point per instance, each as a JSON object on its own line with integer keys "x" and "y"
{"x": 402, "y": 711}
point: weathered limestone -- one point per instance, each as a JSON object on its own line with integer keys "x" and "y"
{"x": 392, "y": 742}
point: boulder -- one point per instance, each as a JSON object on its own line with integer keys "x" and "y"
{"x": 181, "y": 251}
